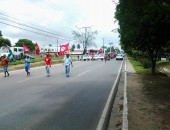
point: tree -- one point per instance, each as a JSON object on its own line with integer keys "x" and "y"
{"x": 0, "y": 34}
{"x": 27, "y": 42}
{"x": 85, "y": 38}
{"x": 112, "y": 49}
{"x": 78, "y": 46}
{"x": 4, "y": 41}
{"x": 73, "y": 47}
{"x": 144, "y": 26}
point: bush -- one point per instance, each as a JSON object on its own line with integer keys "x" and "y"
{"x": 146, "y": 64}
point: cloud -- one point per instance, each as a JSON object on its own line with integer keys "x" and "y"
{"x": 58, "y": 17}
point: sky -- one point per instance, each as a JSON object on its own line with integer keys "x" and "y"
{"x": 43, "y": 21}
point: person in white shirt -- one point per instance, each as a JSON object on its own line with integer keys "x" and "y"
{"x": 67, "y": 63}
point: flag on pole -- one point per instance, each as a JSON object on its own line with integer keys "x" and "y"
{"x": 37, "y": 49}
{"x": 101, "y": 50}
{"x": 63, "y": 48}
{"x": 25, "y": 47}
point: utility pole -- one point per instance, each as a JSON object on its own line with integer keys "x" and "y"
{"x": 103, "y": 46}
{"x": 57, "y": 47}
{"x": 110, "y": 45}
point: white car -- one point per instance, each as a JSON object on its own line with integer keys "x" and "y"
{"x": 119, "y": 57}
{"x": 87, "y": 57}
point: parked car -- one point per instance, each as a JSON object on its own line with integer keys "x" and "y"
{"x": 119, "y": 57}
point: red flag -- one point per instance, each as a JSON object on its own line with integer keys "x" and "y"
{"x": 64, "y": 48}
{"x": 37, "y": 49}
{"x": 25, "y": 47}
{"x": 101, "y": 50}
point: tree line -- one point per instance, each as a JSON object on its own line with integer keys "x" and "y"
{"x": 7, "y": 42}
{"x": 144, "y": 28}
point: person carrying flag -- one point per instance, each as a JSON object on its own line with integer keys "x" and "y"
{"x": 67, "y": 62}
{"x": 47, "y": 60}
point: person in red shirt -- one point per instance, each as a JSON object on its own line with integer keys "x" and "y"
{"x": 105, "y": 58}
{"x": 47, "y": 60}
{"x": 5, "y": 61}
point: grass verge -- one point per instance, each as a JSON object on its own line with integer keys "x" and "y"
{"x": 141, "y": 70}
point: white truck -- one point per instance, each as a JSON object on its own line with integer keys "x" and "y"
{"x": 17, "y": 52}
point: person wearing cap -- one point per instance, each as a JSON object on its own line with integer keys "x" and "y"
{"x": 5, "y": 61}
{"x": 67, "y": 63}
{"x": 47, "y": 60}
{"x": 27, "y": 65}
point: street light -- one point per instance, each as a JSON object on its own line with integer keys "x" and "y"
{"x": 110, "y": 45}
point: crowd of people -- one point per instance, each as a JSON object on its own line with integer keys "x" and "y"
{"x": 67, "y": 62}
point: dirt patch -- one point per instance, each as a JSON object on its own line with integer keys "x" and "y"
{"x": 148, "y": 102}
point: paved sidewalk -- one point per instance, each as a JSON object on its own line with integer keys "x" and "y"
{"x": 130, "y": 68}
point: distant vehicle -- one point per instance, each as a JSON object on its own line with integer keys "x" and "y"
{"x": 95, "y": 57}
{"x": 119, "y": 57}
{"x": 98, "y": 57}
{"x": 87, "y": 57}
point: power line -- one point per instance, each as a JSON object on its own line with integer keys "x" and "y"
{"x": 31, "y": 31}
{"x": 19, "y": 23}
{"x": 31, "y": 27}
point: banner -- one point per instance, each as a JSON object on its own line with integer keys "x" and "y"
{"x": 37, "y": 49}
{"x": 63, "y": 48}
{"x": 25, "y": 47}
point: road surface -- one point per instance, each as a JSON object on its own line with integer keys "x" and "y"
{"x": 38, "y": 102}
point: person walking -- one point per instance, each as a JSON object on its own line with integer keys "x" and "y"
{"x": 47, "y": 60}
{"x": 5, "y": 61}
{"x": 105, "y": 58}
{"x": 67, "y": 63}
{"x": 27, "y": 65}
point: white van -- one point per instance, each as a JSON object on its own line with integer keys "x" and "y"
{"x": 18, "y": 52}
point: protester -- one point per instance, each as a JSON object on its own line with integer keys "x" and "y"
{"x": 47, "y": 60}
{"x": 78, "y": 57}
{"x": 67, "y": 63}
{"x": 105, "y": 58}
{"x": 27, "y": 65}
{"x": 5, "y": 61}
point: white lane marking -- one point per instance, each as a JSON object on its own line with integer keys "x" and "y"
{"x": 83, "y": 73}
{"x": 106, "y": 110}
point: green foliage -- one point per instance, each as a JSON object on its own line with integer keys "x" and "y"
{"x": 0, "y": 34}
{"x": 27, "y": 42}
{"x": 73, "y": 47}
{"x": 4, "y": 42}
{"x": 112, "y": 49}
{"x": 144, "y": 26}
{"x": 146, "y": 64}
{"x": 78, "y": 46}
{"x": 138, "y": 66}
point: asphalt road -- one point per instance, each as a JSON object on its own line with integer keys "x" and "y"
{"x": 38, "y": 102}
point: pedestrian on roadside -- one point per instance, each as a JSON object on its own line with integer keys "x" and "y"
{"x": 78, "y": 57}
{"x": 47, "y": 60}
{"x": 67, "y": 63}
{"x": 4, "y": 62}
{"x": 105, "y": 58}
{"x": 27, "y": 65}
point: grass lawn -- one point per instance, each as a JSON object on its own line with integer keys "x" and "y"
{"x": 141, "y": 70}
{"x": 36, "y": 59}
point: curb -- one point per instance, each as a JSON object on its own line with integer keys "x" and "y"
{"x": 125, "y": 105}
{"x": 104, "y": 119}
